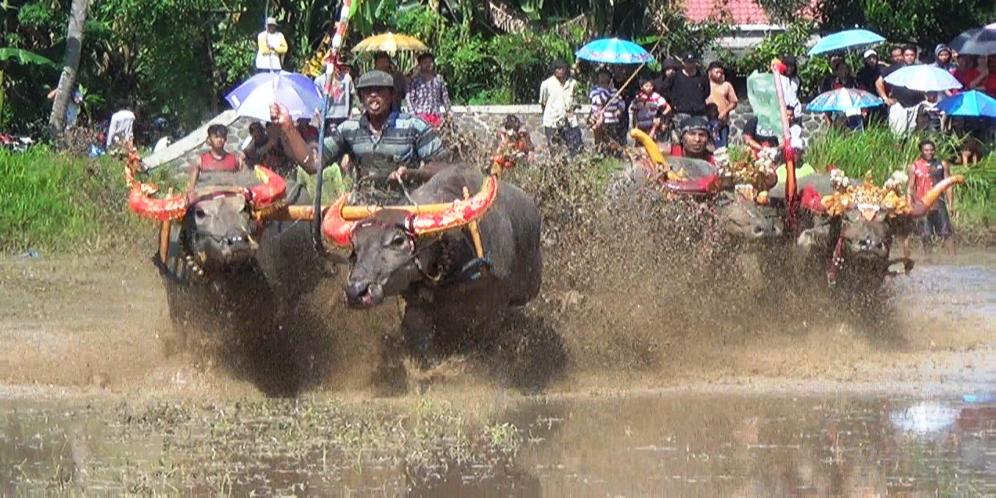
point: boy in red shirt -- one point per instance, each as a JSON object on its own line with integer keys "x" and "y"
{"x": 217, "y": 158}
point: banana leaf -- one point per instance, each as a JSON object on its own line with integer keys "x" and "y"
{"x": 22, "y": 56}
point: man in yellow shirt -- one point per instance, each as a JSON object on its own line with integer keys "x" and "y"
{"x": 272, "y": 47}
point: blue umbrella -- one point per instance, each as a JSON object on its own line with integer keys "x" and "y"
{"x": 297, "y": 92}
{"x": 842, "y": 100}
{"x": 614, "y": 51}
{"x": 852, "y": 38}
{"x": 970, "y": 103}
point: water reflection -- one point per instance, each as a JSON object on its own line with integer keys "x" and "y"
{"x": 694, "y": 445}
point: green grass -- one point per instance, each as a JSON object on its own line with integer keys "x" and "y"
{"x": 55, "y": 202}
{"x": 877, "y": 150}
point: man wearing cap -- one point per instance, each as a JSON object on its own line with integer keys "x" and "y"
{"x": 385, "y": 147}
{"x": 694, "y": 139}
{"x": 272, "y": 47}
{"x": 687, "y": 90}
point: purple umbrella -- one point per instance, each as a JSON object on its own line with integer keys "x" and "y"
{"x": 297, "y": 92}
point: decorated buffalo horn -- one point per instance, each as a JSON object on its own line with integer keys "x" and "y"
{"x": 169, "y": 208}
{"x": 459, "y": 212}
{"x": 649, "y": 144}
{"x": 270, "y": 189}
{"x": 921, "y": 208}
{"x": 335, "y": 228}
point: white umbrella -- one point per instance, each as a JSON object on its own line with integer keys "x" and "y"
{"x": 923, "y": 78}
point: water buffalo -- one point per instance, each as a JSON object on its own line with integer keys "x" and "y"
{"x": 853, "y": 225}
{"x": 737, "y": 212}
{"x": 453, "y": 298}
{"x": 209, "y": 264}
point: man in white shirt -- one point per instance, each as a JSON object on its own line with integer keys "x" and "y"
{"x": 271, "y": 47}
{"x": 120, "y": 128}
{"x": 790, "y": 81}
{"x": 560, "y": 125}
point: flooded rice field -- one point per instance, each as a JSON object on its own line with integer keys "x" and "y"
{"x": 669, "y": 445}
{"x": 91, "y": 403}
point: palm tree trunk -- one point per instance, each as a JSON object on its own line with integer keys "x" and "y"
{"x": 67, "y": 82}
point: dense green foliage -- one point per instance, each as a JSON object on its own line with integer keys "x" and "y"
{"x": 52, "y": 201}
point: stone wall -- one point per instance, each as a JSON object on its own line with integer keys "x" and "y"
{"x": 483, "y": 121}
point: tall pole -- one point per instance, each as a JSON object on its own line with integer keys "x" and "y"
{"x": 778, "y": 69}
{"x": 331, "y": 90}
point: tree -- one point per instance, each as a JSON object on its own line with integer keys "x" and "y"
{"x": 74, "y": 47}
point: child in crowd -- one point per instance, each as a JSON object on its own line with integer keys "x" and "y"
{"x": 648, "y": 110}
{"x": 513, "y": 140}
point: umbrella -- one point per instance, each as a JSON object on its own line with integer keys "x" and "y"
{"x": 852, "y": 38}
{"x": 295, "y": 91}
{"x": 978, "y": 41}
{"x": 923, "y": 78}
{"x": 614, "y": 51}
{"x": 390, "y": 43}
{"x": 970, "y": 103}
{"x": 843, "y": 99}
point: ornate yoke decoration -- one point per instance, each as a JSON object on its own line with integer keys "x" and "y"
{"x": 867, "y": 197}
{"x": 749, "y": 177}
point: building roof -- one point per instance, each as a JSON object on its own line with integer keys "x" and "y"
{"x": 738, "y": 11}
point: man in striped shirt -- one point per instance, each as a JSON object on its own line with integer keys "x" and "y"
{"x": 607, "y": 109}
{"x": 386, "y": 148}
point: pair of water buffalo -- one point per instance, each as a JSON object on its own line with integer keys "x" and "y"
{"x": 461, "y": 256}
{"x": 845, "y": 228}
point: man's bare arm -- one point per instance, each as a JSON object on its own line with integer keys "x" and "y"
{"x": 295, "y": 147}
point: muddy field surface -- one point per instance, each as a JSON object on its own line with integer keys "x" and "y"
{"x": 94, "y": 399}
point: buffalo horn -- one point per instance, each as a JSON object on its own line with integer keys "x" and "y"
{"x": 458, "y": 213}
{"x": 930, "y": 198}
{"x": 649, "y": 144}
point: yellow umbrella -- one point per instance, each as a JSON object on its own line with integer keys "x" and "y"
{"x": 390, "y": 43}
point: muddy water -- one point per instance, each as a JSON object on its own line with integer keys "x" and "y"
{"x": 674, "y": 445}
{"x": 913, "y": 416}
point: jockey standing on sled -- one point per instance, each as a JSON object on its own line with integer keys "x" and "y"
{"x": 386, "y": 148}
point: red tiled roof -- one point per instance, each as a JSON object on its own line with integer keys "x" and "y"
{"x": 738, "y": 11}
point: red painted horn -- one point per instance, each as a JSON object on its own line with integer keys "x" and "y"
{"x": 271, "y": 188}
{"x": 459, "y": 213}
{"x": 335, "y": 228}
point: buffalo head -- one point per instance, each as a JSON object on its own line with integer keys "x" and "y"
{"x": 746, "y": 219}
{"x": 384, "y": 259}
{"x": 218, "y": 229}
{"x": 217, "y": 217}
{"x": 867, "y": 217}
{"x": 386, "y": 243}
